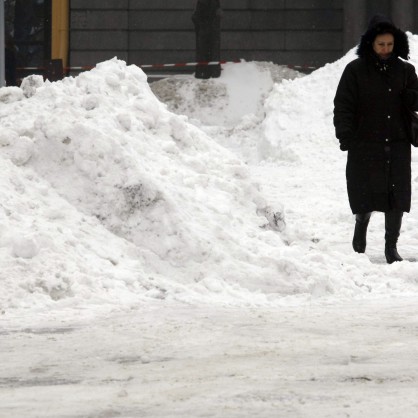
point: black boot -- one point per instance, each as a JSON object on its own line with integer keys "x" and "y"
{"x": 360, "y": 232}
{"x": 393, "y": 222}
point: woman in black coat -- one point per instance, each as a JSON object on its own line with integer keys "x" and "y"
{"x": 371, "y": 124}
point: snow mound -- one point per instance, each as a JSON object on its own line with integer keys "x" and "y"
{"x": 223, "y": 101}
{"x": 299, "y": 114}
{"x": 107, "y": 196}
{"x": 99, "y": 158}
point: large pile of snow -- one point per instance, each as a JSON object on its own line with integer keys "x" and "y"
{"x": 103, "y": 188}
{"x": 108, "y": 196}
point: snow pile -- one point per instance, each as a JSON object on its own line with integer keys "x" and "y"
{"x": 299, "y": 114}
{"x": 108, "y": 196}
{"x": 239, "y": 92}
{"x": 101, "y": 181}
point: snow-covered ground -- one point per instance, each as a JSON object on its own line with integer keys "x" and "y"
{"x": 193, "y": 257}
{"x": 165, "y": 359}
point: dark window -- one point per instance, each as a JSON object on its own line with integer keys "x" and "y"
{"x": 28, "y": 23}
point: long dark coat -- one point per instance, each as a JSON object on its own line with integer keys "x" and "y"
{"x": 369, "y": 116}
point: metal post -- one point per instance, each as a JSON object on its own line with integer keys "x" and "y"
{"x": 354, "y": 22}
{"x": 2, "y": 46}
{"x": 402, "y": 13}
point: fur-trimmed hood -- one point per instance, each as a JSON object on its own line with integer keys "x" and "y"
{"x": 380, "y": 25}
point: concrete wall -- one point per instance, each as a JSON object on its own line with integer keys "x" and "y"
{"x": 294, "y": 32}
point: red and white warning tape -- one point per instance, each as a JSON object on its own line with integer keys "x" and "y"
{"x": 188, "y": 64}
{"x": 176, "y": 65}
{"x": 301, "y": 67}
{"x": 86, "y": 68}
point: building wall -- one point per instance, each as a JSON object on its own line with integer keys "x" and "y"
{"x": 297, "y": 32}
{"x": 292, "y": 32}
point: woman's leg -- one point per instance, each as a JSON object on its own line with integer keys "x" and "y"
{"x": 360, "y": 232}
{"x": 393, "y": 222}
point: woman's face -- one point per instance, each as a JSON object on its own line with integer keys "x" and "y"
{"x": 383, "y": 45}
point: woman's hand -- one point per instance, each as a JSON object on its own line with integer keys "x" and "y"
{"x": 345, "y": 144}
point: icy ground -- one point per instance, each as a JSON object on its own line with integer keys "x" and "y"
{"x": 193, "y": 258}
{"x": 352, "y": 359}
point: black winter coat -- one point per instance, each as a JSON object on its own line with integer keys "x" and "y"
{"x": 369, "y": 118}
{"x": 370, "y": 121}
